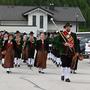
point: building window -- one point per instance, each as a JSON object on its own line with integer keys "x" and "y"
{"x": 34, "y": 20}
{"x": 41, "y": 21}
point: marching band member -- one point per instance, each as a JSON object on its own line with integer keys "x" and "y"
{"x": 50, "y": 40}
{"x": 8, "y": 51}
{"x": 18, "y": 49}
{"x": 53, "y": 52}
{"x": 5, "y": 38}
{"x": 74, "y": 66}
{"x": 66, "y": 48}
{"x": 24, "y": 48}
{"x": 31, "y": 49}
{"x": 41, "y": 55}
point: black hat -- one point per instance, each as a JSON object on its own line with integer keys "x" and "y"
{"x": 67, "y": 24}
{"x": 6, "y": 32}
{"x": 24, "y": 33}
{"x": 31, "y": 33}
{"x": 17, "y": 32}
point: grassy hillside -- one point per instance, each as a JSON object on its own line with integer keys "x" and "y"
{"x": 84, "y": 5}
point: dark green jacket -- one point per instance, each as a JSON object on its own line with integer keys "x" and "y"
{"x": 49, "y": 40}
{"x": 58, "y": 43}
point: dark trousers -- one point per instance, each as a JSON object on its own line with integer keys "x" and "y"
{"x": 75, "y": 68}
{"x": 66, "y": 60}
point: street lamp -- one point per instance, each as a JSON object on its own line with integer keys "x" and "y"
{"x": 77, "y": 23}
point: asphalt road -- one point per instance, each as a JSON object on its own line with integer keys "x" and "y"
{"x": 24, "y": 78}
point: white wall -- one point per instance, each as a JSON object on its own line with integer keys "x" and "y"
{"x": 38, "y": 14}
{"x": 22, "y": 29}
{"x": 60, "y": 26}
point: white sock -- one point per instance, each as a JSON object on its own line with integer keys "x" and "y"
{"x": 55, "y": 59}
{"x": 8, "y": 69}
{"x": 29, "y": 61}
{"x": 32, "y": 61}
{"x": 3, "y": 60}
{"x": 62, "y": 71}
{"x": 58, "y": 61}
{"x": 67, "y": 73}
{"x": 19, "y": 61}
{"x": 48, "y": 56}
{"x": 52, "y": 57}
{"x": 15, "y": 61}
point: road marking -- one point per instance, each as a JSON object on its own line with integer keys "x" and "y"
{"x": 35, "y": 85}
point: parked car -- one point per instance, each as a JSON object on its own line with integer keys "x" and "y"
{"x": 82, "y": 46}
{"x": 87, "y": 48}
{"x": 84, "y": 41}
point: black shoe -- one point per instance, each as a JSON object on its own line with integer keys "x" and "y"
{"x": 74, "y": 72}
{"x": 58, "y": 65}
{"x": 67, "y": 80}
{"x": 31, "y": 65}
{"x": 24, "y": 61}
{"x": 8, "y": 72}
{"x": 18, "y": 65}
{"x": 28, "y": 65}
{"x": 15, "y": 65}
{"x": 62, "y": 78}
{"x": 70, "y": 71}
{"x": 54, "y": 62}
{"x": 41, "y": 72}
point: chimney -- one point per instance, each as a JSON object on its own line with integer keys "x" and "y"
{"x": 51, "y": 7}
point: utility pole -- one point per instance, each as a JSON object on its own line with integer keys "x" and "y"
{"x": 76, "y": 22}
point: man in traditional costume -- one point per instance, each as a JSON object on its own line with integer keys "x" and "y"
{"x": 18, "y": 49}
{"x": 66, "y": 43}
{"x": 74, "y": 66}
{"x": 31, "y": 43}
